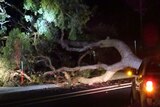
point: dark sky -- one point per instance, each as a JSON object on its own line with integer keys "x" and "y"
{"x": 119, "y": 14}
{"x": 125, "y": 15}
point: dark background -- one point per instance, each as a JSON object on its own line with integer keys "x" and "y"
{"x": 133, "y": 20}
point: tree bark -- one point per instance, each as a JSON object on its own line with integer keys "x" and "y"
{"x": 128, "y": 59}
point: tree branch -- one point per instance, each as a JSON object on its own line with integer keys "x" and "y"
{"x": 128, "y": 59}
{"x": 49, "y": 61}
{"x": 80, "y": 59}
{"x": 14, "y": 7}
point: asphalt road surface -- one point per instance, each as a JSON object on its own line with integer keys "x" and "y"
{"x": 113, "y": 93}
{"x": 118, "y": 98}
{"x": 106, "y": 96}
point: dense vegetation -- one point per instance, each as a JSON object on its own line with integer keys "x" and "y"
{"x": 34, "y": 36}
{"x": 41, "y": 42}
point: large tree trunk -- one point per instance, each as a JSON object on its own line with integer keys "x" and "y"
{"x": 128, "y": 59}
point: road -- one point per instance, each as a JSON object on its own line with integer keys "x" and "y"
{"x": 118, "y": 98}
{"x": 113, "y": 93}
{"x": 110, "y": 96}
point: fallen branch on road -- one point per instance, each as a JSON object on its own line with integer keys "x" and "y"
{"x": 128, "y": 59}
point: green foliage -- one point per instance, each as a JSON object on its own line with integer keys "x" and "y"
{"x": 30, "y": 5}
{"x": 9, "y": 49}
{"x": 86, "y": 73}
{"x": 50, "y": 11}
{"x": 68, "y": 15}
{"x": 47, "y": 19}
{"x": 92, "y": 73}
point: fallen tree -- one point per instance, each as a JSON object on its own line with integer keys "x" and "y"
{"x": 128, "y": 59}
{"x": 46, "y": 24}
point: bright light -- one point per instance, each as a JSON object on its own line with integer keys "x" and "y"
{"x": 129, "y": 73}
{"x": 149, "y": 86}
{"x": 140, "y": 76}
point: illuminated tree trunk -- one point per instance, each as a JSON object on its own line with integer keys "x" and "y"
{"x": 128, "y": 59}
{"x": 17, "y": 52}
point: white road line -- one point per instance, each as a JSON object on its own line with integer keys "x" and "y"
{"x": 94, "y": 92}
{"x": 74, "y": 94}
{"x": 95, "y": 89}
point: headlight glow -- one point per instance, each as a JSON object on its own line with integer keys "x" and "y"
{"x": 129, "y": 73}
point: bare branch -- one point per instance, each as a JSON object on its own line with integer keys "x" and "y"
{"x": 65, "y": 46}
{"x": 18, "y": 73}
{"x": 80, "y": 59}
{"x": 14, "y": 7}
{"x": 25, "y": 75}
{"x": 49, "y": 61}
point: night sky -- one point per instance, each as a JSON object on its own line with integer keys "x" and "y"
{"x": 125, "y": 16}
{"x": 121, "y": 15}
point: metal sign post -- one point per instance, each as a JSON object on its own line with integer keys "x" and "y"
{"x": 135, "y": 46}
{"x": 22, "y": 73}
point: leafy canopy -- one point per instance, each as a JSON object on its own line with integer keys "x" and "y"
{"x": 68, "y": 15}
{"x": 46, "y": 20}
{"x": 16, "y": 37}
